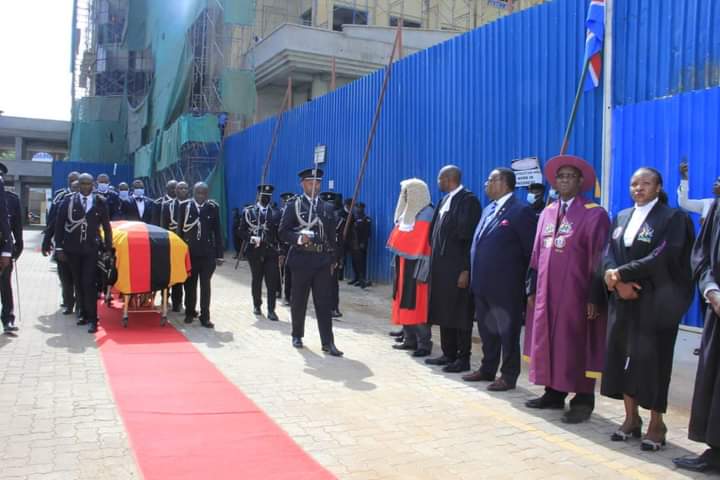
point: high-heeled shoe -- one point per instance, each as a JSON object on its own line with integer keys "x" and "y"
{"x": 620, "y": 436}
{"x": 648, "y": 445}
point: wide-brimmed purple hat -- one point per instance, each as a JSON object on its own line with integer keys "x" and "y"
{"x": 556, "y": 163}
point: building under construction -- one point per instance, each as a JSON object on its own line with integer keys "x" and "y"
{"x": 159, "y": 83}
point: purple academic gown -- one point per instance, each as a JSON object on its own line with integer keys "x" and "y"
{"x": 566, "y": 350}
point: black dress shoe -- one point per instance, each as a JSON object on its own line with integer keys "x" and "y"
{"x": 297, "y": 342}
{"x": 82, "y": 321}
{"x": 397, "y": 333}
{"x": 207, "y": 324}
{"x": 286, "y": 303}
{"x": 12, "y": 328}
{"x": 189, "y": 318}
{"x": 441, "y": 360}
{"x": 257, "y": 311}
{"x": 421, "y": 352}
{"x": 400, "y": 339}
{"x": 67, "y": 311}
{"x": 701, "y": 463}
{"x": 457, "y": 366}
{"x": 545, "y": 403}
{"x": 577, "y": 414}
{"x": 272, "y": 316}
{"x": 176, "y": 308}
{"x": 404, "y": 346}
{"x": 336, "y": 314}
{"x": 332, "y": 350}
{"x": 353, "y": 282}
{"x": 93, "y": 327}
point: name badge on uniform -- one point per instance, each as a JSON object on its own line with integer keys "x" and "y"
{"x": 560, "y": 242}
{"x": 565, "y": 227}
{"x": 646, "y": 234}
{"x": 617, "y": 232}
{"x": 549, "y": 229}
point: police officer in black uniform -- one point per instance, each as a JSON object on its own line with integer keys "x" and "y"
{"x": 77, "y": 240}
{"x": 67, "y": 282}
{"x": 15, "y": 221}
{"x": 335, "y": 199}
{"x": 308, "y": 226}
{"x": 106, "y": 190}
{"x": 169, "y": 221}
{"x": 358, "y": 243}
{"x": 138, "y": 207}
{"x": 286, "y": 277}
{"x": 199, "y": 226}
{"x": 170, "y": 196}
{"x": 258, "y": 230}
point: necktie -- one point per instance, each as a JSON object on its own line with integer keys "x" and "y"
{"x": 488, "y": 217}
{"x": 563, "y": 209}
{"x": 84, "y": 203}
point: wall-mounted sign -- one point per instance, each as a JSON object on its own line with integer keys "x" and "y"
{"x": 320, "y": 151}
{"x": 527, "y": 171}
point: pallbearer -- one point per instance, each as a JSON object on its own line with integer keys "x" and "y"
{"x": 199, "y": 225}
{"x": 169, "y": 221}
{"x": 308, "y": 226}
{"x": 258, "y": 228}
{"x": 169, "y": 197}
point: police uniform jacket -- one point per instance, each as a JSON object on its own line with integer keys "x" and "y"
{"x": 323, "y": 247}
{"x": 200, "y": 228}
{"x": 15, "y": 220}
{"x": 49, "y": 231}
{"x": 77, "y": 231}
{"x": 169, "y": 214}
{"x": 255, "y": 222}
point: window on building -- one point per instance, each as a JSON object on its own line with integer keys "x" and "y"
{"x": 7, "y": 154}
{"x": 348, "y": 16}
{"x": 306, "y": 18}
{"x": 406, "y": 23}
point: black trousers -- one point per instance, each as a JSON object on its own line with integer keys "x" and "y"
{"x": 287, "y": 282}
{"x": 67, "y": 285}
{"x": 317, "y": 280}
{"x": 176, "y": 295}
{"x": 587, "y": 399}
{"x": 84, "y": 271}
{"x": 499, "y": 326}
{"x": 6, "y": 296}
{"x": 336, "y": 276}
{"x": 202, "y": 271}
{"x": 456, "y": 343}
{"x": 359, "y": 264}
{"x": 266, "y": 268}
{"x": 419, "y": 336}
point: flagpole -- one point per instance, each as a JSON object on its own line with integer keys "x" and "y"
{"x": 576, "y": 104}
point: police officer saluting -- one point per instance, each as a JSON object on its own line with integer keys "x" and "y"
{"x": 77, "y": 241}
{"x": 259, "y": 231}
{"x": 14, "y": 215}
{"x": 199, "y": 226}
{"x": 308, "y": 226}
{"x": 169, "y": 221}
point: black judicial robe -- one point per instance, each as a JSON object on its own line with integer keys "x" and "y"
{"x": 642, "y": 332}
{"x": 450, "y": 240}
{"x": 705, "y": 414}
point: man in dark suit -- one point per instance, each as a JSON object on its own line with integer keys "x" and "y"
{"x": 77, "y": 241}
{"x": 450, "y": 304}
{"x": 199, "y": 226}
{"x": 500, "y": 256}
{"x": 106, "y": 190}
{"x": 15, "y": 220}
{"x": 308, "y": 226}
{"x": 138, "y": 207}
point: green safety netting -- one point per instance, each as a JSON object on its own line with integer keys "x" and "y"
{"x": 144, "y": 161}
{"x": 237, "y": 88}
{"x": 99, "y": 130}
{"x": 239, "y": 12}
{"x": 187, "y": 128}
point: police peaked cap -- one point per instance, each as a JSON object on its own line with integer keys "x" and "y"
{"x": 311, "y": 174}
{"x": 265, "y": 189}
{"x": 286, "y": 195}
{"x": 329, "y": 196}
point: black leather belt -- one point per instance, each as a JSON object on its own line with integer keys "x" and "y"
{"x": 311, "y": 247}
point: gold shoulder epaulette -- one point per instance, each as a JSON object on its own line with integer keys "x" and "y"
{"x": 591, "y": 205}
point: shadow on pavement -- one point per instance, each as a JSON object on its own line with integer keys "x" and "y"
{"x": 351, "y": 373}
{"x": 66, "y": 334}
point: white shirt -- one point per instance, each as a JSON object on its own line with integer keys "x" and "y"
{"x": 262, "y": 208}
{"x": 88, "y": 202}
{"x": 701, "y": 206}
{"x": 567, "y": 203}
{"x": 140, "y": 203}
{"x": 448, "y": 200}
{"x": 636, "y": 222}
{"x": 198, "y": 205}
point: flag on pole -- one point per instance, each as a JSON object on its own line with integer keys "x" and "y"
{"x": 594, "y": 37}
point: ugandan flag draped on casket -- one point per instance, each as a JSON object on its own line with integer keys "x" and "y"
{"x": 149, "y": 258}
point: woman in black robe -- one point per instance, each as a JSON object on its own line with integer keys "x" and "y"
{"x": 705, "y": 413}
{"x": 647, "y": 270}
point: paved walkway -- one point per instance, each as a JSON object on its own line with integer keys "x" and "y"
{"x": 377, "y": 413}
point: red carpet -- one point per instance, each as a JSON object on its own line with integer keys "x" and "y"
{"x": 184, "y": 418}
